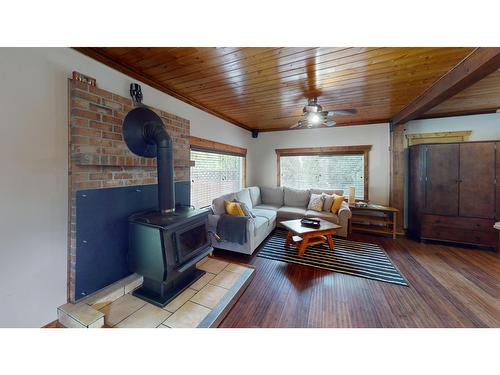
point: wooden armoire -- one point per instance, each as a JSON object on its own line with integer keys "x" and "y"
{"x": 453, "y": 193}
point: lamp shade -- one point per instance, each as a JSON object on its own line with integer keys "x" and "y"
{"x": 352, "y": 195}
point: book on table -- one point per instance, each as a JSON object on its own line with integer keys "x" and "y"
{"x": 311, "y": 223}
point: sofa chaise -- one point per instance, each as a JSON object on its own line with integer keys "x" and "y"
{"x": 271, "y": 205}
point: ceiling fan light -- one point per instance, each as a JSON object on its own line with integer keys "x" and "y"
{"x": 315, "y": 118}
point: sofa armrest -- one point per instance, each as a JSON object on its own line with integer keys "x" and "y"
{"x": 214, "y": 219}
{"x": 212, "y": 222}
{"x": 344, "y": 212}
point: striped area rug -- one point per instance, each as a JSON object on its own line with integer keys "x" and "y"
{"x": 352, "y": 258}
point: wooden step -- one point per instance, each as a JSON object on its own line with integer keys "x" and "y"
{"x": 372, "y": 229}
{"x": 317, "y": 240}
{"x": 373, "y": 219}
{"x": 79, "y": 315}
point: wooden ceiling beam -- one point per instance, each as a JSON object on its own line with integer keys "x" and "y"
{"x": 466, "y": 112}
{"x": 477, "y": 65}
{"x": 91, "y": 52}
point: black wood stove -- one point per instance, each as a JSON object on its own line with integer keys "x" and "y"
{"x": 164, "y": 245}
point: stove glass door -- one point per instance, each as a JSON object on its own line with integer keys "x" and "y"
{"x": 191, "y": 241}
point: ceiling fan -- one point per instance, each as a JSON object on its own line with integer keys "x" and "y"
{"x": 313, "y": 115}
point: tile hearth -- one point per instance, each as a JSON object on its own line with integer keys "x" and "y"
{"x": 204, "y": 304}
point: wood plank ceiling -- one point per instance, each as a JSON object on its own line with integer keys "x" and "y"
{"x": 481, "y": 97}
{"x": 266, "y": 88}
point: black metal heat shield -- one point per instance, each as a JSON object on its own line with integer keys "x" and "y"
{"x": 156, "y": 244}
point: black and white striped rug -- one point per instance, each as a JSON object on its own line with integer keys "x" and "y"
{"x": 352, "y": 258}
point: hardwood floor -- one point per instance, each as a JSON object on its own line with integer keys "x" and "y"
{"x": 449, "y": 287}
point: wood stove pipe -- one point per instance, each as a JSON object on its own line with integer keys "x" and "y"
{"x": 145, "y": 135}
{"x": 155, "y": 132}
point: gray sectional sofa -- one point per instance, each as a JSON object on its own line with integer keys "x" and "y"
{"x": 271, "y": 205}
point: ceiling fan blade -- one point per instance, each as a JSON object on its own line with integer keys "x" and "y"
{"x": 299, "y": 124}
{"x": 330, "y": 123}
{"x": 310, "y": 88}
{"x": 341, "y": 112}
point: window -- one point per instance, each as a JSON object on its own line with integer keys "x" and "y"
{"x": 325, "y": 168}
{"x": 215, "y": 172}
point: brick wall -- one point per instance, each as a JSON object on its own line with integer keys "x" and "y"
{"x": 98, "y": 156}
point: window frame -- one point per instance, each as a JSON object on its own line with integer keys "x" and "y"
{"x": 205, "y": 145}
{"x": 332, "y": 150}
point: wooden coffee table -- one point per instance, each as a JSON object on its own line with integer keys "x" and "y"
{"x": 302, "y": 237}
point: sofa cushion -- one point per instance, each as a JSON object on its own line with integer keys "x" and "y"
{"x": 323, "y": 215}
{"x": 327, "y": 202}
{"x": 246, "y": 210}
{"x": 267, "y": 207}
{"x": 268, "y": 214}
{"x": 255, "y": 195}
{"x": 261, "y": 226}
{"x": 272, "y": 195}
{"x": 218, "y": 207}
{"x": 244, "y": 196}
{"x": 296, "y": 197}
{"x": 289, "y": 213}
{"x": 327, "y": 191}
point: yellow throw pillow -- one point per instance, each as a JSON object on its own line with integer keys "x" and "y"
{"x": 233, "y": 208}
{"x": 337, "y": 202}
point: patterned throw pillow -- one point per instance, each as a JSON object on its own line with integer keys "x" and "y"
{"x": 315, "y": 202}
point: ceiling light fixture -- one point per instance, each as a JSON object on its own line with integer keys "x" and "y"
{"x": 314, "y": 118}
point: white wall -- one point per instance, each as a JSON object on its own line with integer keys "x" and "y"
{"x": 484, "y": 127}
{"x": 263, "y": 156}
{"x": 33, "y": 170}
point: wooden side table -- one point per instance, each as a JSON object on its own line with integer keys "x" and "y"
{"x": 373, "y": 218}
